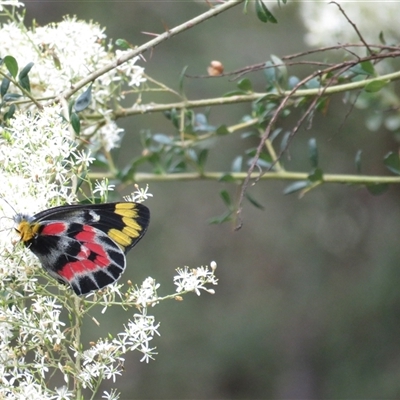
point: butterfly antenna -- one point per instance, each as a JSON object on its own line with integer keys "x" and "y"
{"x": 5, "y": 200}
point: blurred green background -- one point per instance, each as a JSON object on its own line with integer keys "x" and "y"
{"x": 308, "y": 304}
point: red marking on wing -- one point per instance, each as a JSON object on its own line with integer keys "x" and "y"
{"x": 54, "y": 228}
{"x": 89, "y": 249}
{"x": 97, "y": 249}
{"x": 74, "y": 268}
{"x": 87, "y": 235}
{"x": 83, "y": 254}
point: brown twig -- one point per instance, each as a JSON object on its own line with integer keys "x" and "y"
{"x": 353, "y": 25}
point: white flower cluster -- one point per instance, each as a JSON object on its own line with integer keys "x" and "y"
{"x": 12, "y": 3}
{"x": 139, "y": 195}
{"x": 40, "y": 162}
{"x": 38, "y": 326}
{"x": 63, "y": 54}
{"x": 37, "y": 162}
{"x": 194, "y": 280}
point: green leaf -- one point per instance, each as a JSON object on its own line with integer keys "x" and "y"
{"x": 316, "y": 176}
{"x": 377, "y": 188}
{"x": 163, "y": 139}
{"x": 262, "y": 16}
{"x": 285, "y": 141}
{"x": 25, "y": 71}
{"x": 237, "y": 164}
{"x": 382, "y": 38}
{"x": 293, "y": 81}
{"x": 392, "y": 162}
{"x": 23, "y": 77}
{"x": 25, "y": 83}
{"x": 270, "y": 72}
{"x": 275, "y": 134}
{"x": 356, "y": 70}
{"x": 357, "y": 161}
{"x": 11, "y": 65}
{"x": 296, "y": 186}
{"x": 313, "y": 83}
{"x": 11, "y": 97}
{"x": 368, "y": 67}
{"x": 84, "y": 99}
{"x": 123, "y": 44}
{"x": 202, "y": 158}
{"x": 5, "y": 84}
{"x": 234, "y": 93}
{"x": 376, "y": 85}
{"x": 222, "y": 130}
{"x": 254, "y": 201}
{"x": 192, "y": 155}
{"x": 280, "y": 68}
{"x": 245, "y": 85}
{"x": 313, "y": 152}
{"x": 10, "y": 112}
{"x": 226, "y": 216}
{"x": 75, "y": 122}
{"x": 263, "y": 13}
{"x": 262, "y": 163}
{"x": 174, "y": 116}
{"x": 177, "y": 166}
{"x": 227, "y": 178}
{"x": 226, "y": 198}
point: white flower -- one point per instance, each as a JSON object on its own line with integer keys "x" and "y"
{"x": 13, "y": 3}
{"x": 138, "y": 334}
{"x": 65, "y": 53}
{"x": 146, "y": 294}
{"x": 103, "y": 187}
{"x": 139, "y": 195}
{"x": 194, "y": 280}
{"x": 113, "y": 395}
{"x": 63, "y": 394}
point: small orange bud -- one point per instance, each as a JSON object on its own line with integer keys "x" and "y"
{"x": 215, "y": 68}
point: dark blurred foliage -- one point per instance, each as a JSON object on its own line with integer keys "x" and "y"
{"x": 308, "y": 304}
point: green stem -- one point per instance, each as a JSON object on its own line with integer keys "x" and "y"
{"x": 240, "y": 176}
{"x": 78, "y": 345}
{"x": 245, "y": 98}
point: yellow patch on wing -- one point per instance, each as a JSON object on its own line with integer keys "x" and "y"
{"x": 132, "y": 229}
{"x": 127, "y": 210}
{"x": 119, "y": 237}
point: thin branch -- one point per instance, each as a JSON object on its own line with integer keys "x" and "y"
{"x": 353, "y": 25}
{"x": 338, "y": 47}
{"x": 241, "y": 176}
{"x": 151, "y": 44}
{"x": 289, "y": 95}
{"x": 154, "y": 107}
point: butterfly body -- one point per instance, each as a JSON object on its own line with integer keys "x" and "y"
{"x": 84, "y": 245}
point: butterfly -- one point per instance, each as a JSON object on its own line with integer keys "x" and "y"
{"x": 84, "y": 246}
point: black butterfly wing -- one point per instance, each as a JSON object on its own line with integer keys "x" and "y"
{"x": 123, "y": 222}
{"x": 80, "y": 255}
